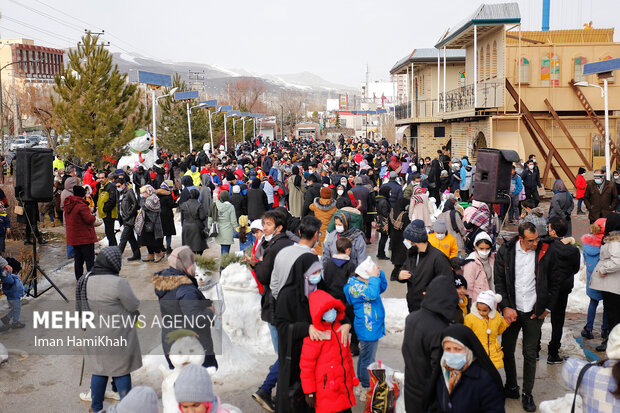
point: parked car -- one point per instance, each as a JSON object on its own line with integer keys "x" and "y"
{"x": 20, "y": 142}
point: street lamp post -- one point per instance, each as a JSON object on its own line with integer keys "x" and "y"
{"x": 189, "y": 123}
{"x": 155, "y": 100}
{"x": 604, "y": 95}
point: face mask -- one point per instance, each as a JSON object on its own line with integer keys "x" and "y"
{"x": 598, "y": 181}
{"x": 268, "y": 237}
{"x": 531, "y": 167}
{"x": 484, "y": 254}
{"x": 340, "y": 192}
{"x": 408, "y": 244}
{"x": 330, "y": 315}
{"x": 314, "y": 278}
{"x": 119, "y": 189}
{"x": 455, "y": 165}
{"x": 455, "y": 361}
{"x": 616, "y": 176}
{"x": 440, "y": 236}
{"x": 534, "y": 160}
{"x": 339, "y": 229}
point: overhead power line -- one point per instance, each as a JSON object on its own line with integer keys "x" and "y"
{"x": 46, "y": 32}
{"x": 32, "y": 37}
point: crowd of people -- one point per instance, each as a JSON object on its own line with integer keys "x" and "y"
{"x": 304, "y": 213}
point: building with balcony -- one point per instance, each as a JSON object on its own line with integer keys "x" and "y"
{"x": 35, "y": 63}
{"x": 518, "y": 92}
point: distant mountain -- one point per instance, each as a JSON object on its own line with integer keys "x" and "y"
{"x": 216, "y": 78}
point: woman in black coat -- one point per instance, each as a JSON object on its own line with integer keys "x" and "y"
{"x": 167, "y": 204}
{"x": 257, "y": 201}
{"x": 383, "y": 219}
{"x": 466, "y": 381}
{"x": 194, "y": 215}
{"x": 399, "y": 219}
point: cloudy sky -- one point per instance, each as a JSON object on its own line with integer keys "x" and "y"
{"x": 334, "y": 39}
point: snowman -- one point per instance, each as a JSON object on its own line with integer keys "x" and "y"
{"x": 140, "y": 152}
{"x": 184, "y": 351}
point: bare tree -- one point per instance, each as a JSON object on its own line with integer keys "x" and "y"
{"x": 246, "y": 93}
{"x": 35, "y": 101}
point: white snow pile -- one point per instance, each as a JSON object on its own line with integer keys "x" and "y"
{"x": 396, "y": 312}
{"x": 561, "y": 404}
{"x": 578, "y": 300}
{"x": 4, "y": 354}
{"x": 569, "y": 345}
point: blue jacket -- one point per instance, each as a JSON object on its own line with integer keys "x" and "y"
{"x": 12, "y": 286}
{"x": 463, "y": 173}
{"x": 365, "y": 298}
{"x": 591, "y": 255}
{"x": 518, "y": 184}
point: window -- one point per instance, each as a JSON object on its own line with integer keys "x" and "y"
{"x": 598, "y": 145}
{"x": 414, "y": 130}
{"x": 524, "y": 71}
{"x": 487, "y": 61}
{"x": 611, "y": 78}
{"x": 494, "y": 60}
{"x": 440, "y": 132}
{"x": 461, "y": 79}
{"x": 481, "y": 65}
{"x": 550, "y": 70}
{"x": 578, "y": 75}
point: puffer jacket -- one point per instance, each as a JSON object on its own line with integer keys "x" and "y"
{"x": 487, "y": 331}
{"x": 324, "y": 210}
{"x": 79, "y": 222}
{"x": 107, "y": 203}
{"x": 365, "y": 297}
{"x": 591, "y": 253}
{"x": 608, "y": 264}
{"x": 476, "y": 276}
{"x": 327, "y": 365}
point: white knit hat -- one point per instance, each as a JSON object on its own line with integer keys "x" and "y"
{"x": 236, "y": 189}
{"x": 489, "y": 298}
{"x": 256, "y": 224}
{"x": 613, "y": 343}
{"x": 483, "y": 236}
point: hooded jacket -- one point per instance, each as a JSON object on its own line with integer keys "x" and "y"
{"x": 424, "y": 267}
{"x": 487, "y": 331}
{"x": 107, "y": 202}
{"x": 476, "y": 276}
{"x": 609, "y": 264}
{"x": 327, "y": 365}
{"x": 68, "y": 190}
{"x": 547, "y": 284}
{"x": 365, "y": 297}
{"x": 336, "y": 275}
{"x": 257, "y": 203}
{"x": 79, "y": 222}
{"x": 591, "y": 253}
{"x": 422, "y": 342}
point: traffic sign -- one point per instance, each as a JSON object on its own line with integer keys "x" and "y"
{"x": 156, "y": 79}
{"x": 192, "y": 94}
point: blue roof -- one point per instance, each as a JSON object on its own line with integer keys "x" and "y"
{"x": 485, "y": 15}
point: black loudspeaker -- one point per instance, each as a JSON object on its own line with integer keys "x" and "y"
{"x": 493, "y": 171}
{"x": 34, "y": 175}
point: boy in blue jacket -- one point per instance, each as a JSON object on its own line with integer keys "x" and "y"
{"x": 13, "y": 288}
{"x": 363, "y": 292}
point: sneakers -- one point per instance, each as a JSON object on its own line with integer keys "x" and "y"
{"x": 264, "y": 400}
{"x": 5, "y": 327}
{"x": 527, "y": 400}
{"x": 581, "y": 213}
{"x": 42, "y": 241}
{"x": 109, "y": 394}
{"x": 18, "y": 325}
{"x": 555, "y": 359}
{"x": 159, "y": 257}
{"x": 134, "y": 258}
{"x": 605, "y": 334}
{"x": 512, "y": 393}
{"x": 587, "y": 334}
{"x": 5, "y": 320}
{"x": 537, "y": 355}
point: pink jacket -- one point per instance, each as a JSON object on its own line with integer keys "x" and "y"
{"x": 475, "y": 275}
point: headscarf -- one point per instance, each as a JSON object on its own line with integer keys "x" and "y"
{"x": 183, "y": 259}
{"x": 244, "y": 223}
{"x": 350, "y": 231}
{"x": 482, "y": 217}
{"x": 558, "y": 186}
{"x": 147, "y": 189}
{"x": 224, "y": 196}
{"x": 167, "y": 185}
{"x": 308, "y": 286}
{"x": 68, "y": 190}
{"x": 452, "y": 376}
{"x": 384, "y": 191}
{"x": 152, "y": 203}
{"x": 417, "y": 199}
{"x": 449, "y": 205}
{"x": 109, "y": 261}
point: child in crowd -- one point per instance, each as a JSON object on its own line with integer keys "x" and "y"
{"x": 193, "y": 390}
{"x": 591, "y": 253}
{"x": 13, "y": 288}
{"x": 246, "y": 237}
{"x": 464, "y": 304}
{"x": 89, "y": 198}
{"x": 327, "y": 374}
{"x": 487, "y": 324}
{"x": 5, "y": 227}
{"x": 442, "y": 240}
{"x": 363, "y": 292}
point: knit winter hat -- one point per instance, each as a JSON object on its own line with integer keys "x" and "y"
{"x": 490, "y": 298}
{"x": 326, "y": 193}
{"x": 194, "y": 385}
{"x": 140, "y": 399}
{"x": 79, "y": 191}
{"x": 459, "y": 281}
{"x": 483, "y": 236}
{"x": 440, "y": 226}
{"x": 257, "y": 224}
{"x": 236, "y": 189}
{"x": 393, "y": 175}
{"x": 613, "y": 343}
{"x": 415, "y": 231}
{"x": 167, "y": 185}
{"x": 110, "y": 258}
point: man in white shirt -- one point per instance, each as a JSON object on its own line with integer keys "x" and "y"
{"x": 523, "y": 275}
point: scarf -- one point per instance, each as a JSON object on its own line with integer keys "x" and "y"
{"x": 450, "y": 375}
{"x": 449, "y": 206}
{"x": 482, "y": 218}
{"x": 417, "y": 199}
{"x": 183, "y": 259}
{"x": 108, "y": 261}
{"x": 488, "y": 270}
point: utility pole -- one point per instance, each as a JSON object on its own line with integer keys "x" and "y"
{"x": 198, "y": 76}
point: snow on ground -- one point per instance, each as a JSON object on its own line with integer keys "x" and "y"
{"x": 396, "y": 312}
{"x": 129, "y": 58}
{"x": 561, "y": 404}
{"x": 578, "y": 300}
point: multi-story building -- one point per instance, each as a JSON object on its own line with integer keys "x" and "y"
{"x": 35, "y": 63}
{"x": 518, "y": 92}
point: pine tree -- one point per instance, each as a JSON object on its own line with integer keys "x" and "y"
{"x": 95, "y": 104}
{"x": 172, "y": 128}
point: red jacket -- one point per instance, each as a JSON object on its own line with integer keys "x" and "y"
{"x": 79, "y": 222}
{"x": 91, "y": 181}
{"x": 581, "y": 185}
{"x": 327, "y": 365}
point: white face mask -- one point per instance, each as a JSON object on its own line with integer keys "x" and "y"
{"x": 268, "y": 237}
{"x": 440, "y": 236}
{"x": 534, "y": 160}
{"x": 531, "y": 167}
{"x": 408, "y": 244}
{"x": 340, "y": 192}
{"x": 598, "y": 181}
{"x": 340, "y": 229}
{"x": 484, "y": 254}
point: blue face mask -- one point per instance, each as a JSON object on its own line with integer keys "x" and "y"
{"x": 455, "y": 361}
{"x": 330, "y": 315}
{"x": 314, "y": 278}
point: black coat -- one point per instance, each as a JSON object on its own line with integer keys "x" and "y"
{"x": 336, "y": 277}
{"x": 257, "y": 203}
{"x": 396, "y": 191}
{"x": 263, "y": 271}
{"x": 547, "y": 281}
{"x": 422, "y": 342}
{"x": 568, "y": 261}
{"x": 313, "y": 191}
{"x": 129, "y": 207}
{"x": 424, "y": 267}
{"x": 167, "y": 203}
{"x": 194, "y": 216}
{"x": 399, "y": 252}
{"x": 240, "y": 203}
